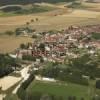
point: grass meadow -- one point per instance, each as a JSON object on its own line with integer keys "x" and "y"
{"x": 59, "y": 89}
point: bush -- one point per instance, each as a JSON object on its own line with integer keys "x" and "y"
{"x": 96, "y": 36}
{"x": 77, "y": 80}
{"x": 33, "y": 96}
{"x": 11, "y": 8}
{"x": 18, "y": 31}
{"x": 21, "y": 91}
{"x": 9, "y": 33}
{"x": 73, "y": 78}
{"x": 7, "y": 65}
{"x": 23, "y": 46}
{"x": 98, "y": 84}
{"x": 28, "y": 57}
{"x": 34, "y": 36}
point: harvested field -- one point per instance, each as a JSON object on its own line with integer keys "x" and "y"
{"x": 8, "y": 81}
{"x": 92, "y": 6}
{"x": 11, "y": 23}
{"x": 51, "y": 20}
{"x": 8, "y": 44}
{"x": 57, "y": 19}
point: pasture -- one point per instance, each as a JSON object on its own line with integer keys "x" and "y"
{"x": 59, "y": 89}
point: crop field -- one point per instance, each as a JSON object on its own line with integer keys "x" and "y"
{"x": 59, "y": 89}
{"x": 8, "y": 44}
{"x": 92, "y": 6}
{"x": 8, "y": 82}
{"x": 57, "y": 19}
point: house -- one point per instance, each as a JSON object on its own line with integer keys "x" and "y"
{"x": 57, "y": 46}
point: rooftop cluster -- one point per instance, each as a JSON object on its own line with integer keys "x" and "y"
{"x": 73, "y": 42}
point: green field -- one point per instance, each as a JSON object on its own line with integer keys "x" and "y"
{"x": 59, "y": 89}
{"x": 96, "y": 36}
{"x": 28, "y": 9}
{"x": 3, "y": 14}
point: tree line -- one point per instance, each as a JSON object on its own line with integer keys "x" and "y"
{"x": 76, "y": 70}
{"x": 7, "y": 64}
{"x": 9, "y": 2}
{"x": 23, "y": 94}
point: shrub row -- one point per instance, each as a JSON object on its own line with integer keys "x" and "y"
{"x": 22, "y": 90}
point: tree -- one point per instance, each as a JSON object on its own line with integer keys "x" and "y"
{"x": 34, "y": 36}
{"x": 46, "y": 97}
{"x": 22, "y": 46}
{"x": 41, "y": 59}
{"x": 32, "y": 20}
{"x": 60, "y": 98}
{"x": 74, "y": 98}
{"x": 82, "y": 98}
{"x": 98, "y": 84}
{"x": 37, "y": 19}
{"x": 7, "y": 65}
{"x": 28, "y": 57}
{"x": 27, "y": 23}
{"x": 22, "y": 94}
{"x": 52, "y": 97}
{"x": 42, "y": 47}
{"x": 70, "y": 98}
{"x": 17, "y": 31}
{"x": 9, "y": 32}
{"x": 93, "y": 98}
{"x": 11, "y": 2}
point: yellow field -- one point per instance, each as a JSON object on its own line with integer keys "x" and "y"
{"x": 48, "y": 20}
{"x": 57, "y": 19}
{"x": 93, "y": 6}
{"x": 8, "y": 44}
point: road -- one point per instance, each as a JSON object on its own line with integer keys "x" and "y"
{"x": 24, "y": 75}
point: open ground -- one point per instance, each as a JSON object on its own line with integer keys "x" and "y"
{"x": 7, "y": 82}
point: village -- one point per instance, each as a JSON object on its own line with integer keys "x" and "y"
{"x": 49, "y": 49}
{"x": 56, "y": 46}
